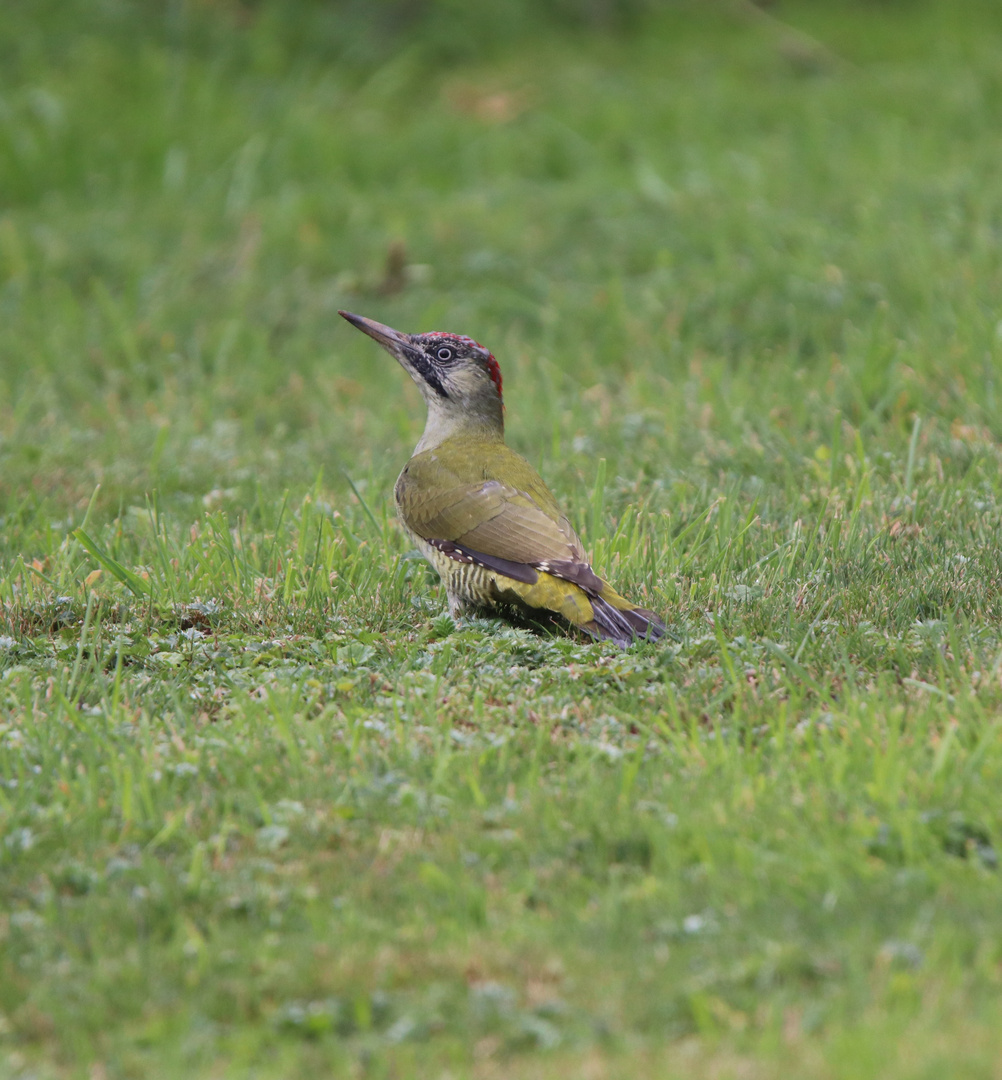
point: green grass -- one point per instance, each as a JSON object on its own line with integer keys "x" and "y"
{"x": 264, "y": 810}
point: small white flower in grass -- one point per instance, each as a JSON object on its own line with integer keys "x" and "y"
{"x": 26, "y": 920}
{"x": 404, "y": 1028}
{"x": 704, "y": 923}
{"x": 20, "y": 840}
{"x": 287, "y": 809}
{"x": 272, "y": 837}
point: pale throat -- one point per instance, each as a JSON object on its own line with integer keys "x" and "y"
{"x": 483, "y": 422}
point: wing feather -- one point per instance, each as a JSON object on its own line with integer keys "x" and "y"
{"x": 439, "y": 499}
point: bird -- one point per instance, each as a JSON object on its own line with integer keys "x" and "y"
{"x": 479, "y": 512}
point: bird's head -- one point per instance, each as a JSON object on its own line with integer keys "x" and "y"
{"x": 458, "y": 377}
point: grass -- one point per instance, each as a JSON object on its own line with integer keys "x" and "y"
{"x": 264, "y": 810}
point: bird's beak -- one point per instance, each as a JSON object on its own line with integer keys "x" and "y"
{"x": 402, "y": 348}
{"x": 390, "y": 339}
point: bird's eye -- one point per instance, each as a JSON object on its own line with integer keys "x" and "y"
{"x": 444, "y": 353}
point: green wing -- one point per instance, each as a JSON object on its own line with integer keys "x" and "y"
{"x": 502, "y": 510}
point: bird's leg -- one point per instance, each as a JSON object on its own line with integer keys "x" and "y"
{"x": 458, "y": 606}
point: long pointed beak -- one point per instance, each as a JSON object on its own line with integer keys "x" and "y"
{"x": 386, "y": 336}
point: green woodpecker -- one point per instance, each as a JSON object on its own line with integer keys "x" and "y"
{"x": 479, "y": 512}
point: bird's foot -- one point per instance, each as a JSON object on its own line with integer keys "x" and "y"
{"x": 460, "y": 609}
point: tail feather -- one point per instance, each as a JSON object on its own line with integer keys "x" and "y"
{"x": 623, "y": 625}
{"x": 598, "y": 610}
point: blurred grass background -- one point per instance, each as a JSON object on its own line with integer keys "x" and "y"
{"x": 191, "y": 189}
{"x": 263, "y": 809}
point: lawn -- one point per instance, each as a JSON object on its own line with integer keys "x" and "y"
{"x": 265, "y": 810}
